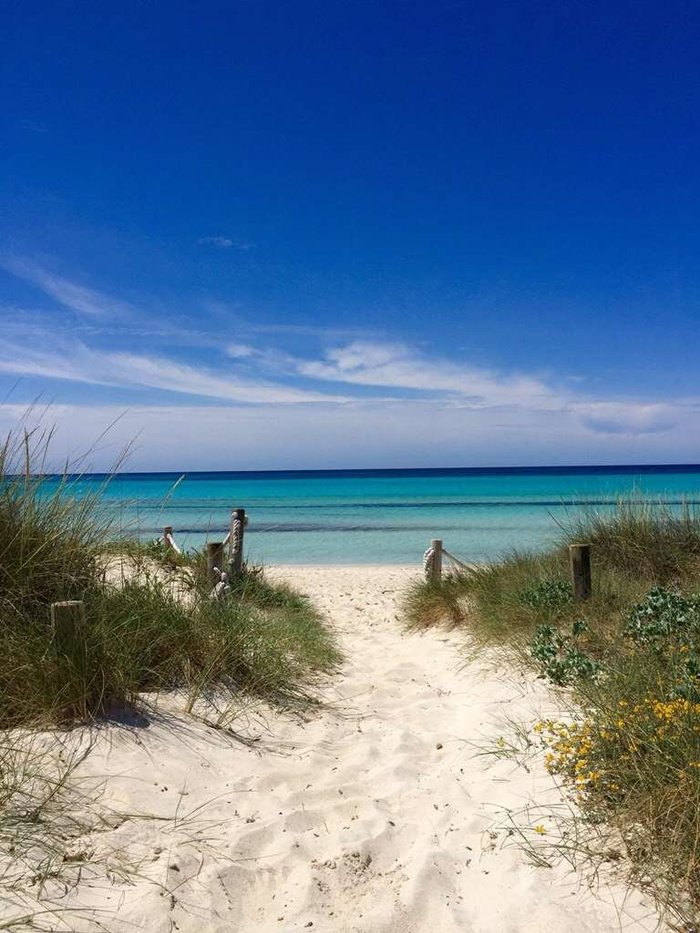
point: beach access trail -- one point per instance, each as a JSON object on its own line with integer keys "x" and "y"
{"x": 375, "y": 814}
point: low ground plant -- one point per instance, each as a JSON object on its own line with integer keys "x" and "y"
{"x": 629, "y": 747}
{"x": 560, "y": 656}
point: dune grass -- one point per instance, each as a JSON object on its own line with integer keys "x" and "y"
{"x": 629, "y": 750}
{"x": 150, "y": 627}
{"x": 637, "y": 546}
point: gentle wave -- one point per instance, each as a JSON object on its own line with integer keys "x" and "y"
{"x": 289, "y": 528}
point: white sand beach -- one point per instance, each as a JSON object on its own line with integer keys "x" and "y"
{"x": 375, "y": 814}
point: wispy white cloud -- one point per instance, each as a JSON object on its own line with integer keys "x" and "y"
{"x": 78, "y": 298}
{"x": 388, "y": 382}
{"x": 269, "y": 377}
{"x": 160, "y": 373}
{"x": 241, "y": 351}
{"x": 75, "y": 362}
{"x": 628, "y": 418}
{"x": 224, "y": 242}
{"x": 397, "y": 366}
{"x": 513, "y": 401}
{"x": 511, "y": 398}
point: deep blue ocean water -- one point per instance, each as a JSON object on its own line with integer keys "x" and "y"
{"x": 379, "y": 516}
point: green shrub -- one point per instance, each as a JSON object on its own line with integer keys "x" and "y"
{"x": 663, "y": 615}
{"x": 560, "y": 657}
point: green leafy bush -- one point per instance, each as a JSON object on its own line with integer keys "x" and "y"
{"x": 561, "y": 659}
{"x": 663, "y": 615}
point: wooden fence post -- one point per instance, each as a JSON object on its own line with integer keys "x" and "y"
{"x": 68, "y": 624}
{"x": 169, "y": 541}
{"x": 236, "y": 541}
{"x": 215, "y": 561}
{"x": 580, "y": 560}
{"x": 436, "y": 563}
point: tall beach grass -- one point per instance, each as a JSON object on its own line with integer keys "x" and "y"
{"x": 151, "y": 627}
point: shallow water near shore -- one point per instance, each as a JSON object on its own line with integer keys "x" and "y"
{"x": 378, "y": 516}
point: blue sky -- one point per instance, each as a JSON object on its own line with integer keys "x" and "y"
{"x": 269, "y": 235}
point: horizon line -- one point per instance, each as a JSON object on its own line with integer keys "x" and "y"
{"x": 417, "y": 471}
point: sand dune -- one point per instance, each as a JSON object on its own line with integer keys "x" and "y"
{"x": 375, "y": 815}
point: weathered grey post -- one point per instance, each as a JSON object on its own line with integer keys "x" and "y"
{"x": 436, "y": 563}
{"x": 68, "y": 625}
{"x": 236, "y": 541}
{"x": 169, "y": 541}
{"x": 215, "y": 561}
{"x": 580, "y": 560}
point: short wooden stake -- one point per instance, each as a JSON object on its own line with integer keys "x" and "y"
{"x": 580, "y": 560}
{"x": 169, "y": 540}
{"x": 436, "y": 563}
{"x": 236, "y": 541}
{"x": 68, "y": 623}
{"x": 215, "y": 562}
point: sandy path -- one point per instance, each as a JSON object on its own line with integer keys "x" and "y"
{"x": 372, "y": 816}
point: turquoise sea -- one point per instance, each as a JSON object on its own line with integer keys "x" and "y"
{"x": 378, "y": 516}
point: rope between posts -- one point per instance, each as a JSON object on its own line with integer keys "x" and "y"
{"x": 169, "y": 541}
{"x": 234, "y": 536}
{"x": 221, "y": 588}
{"x": 431, "y": 556}
{"x": 455, "y": 560}
{"x": 233, "y": 540}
